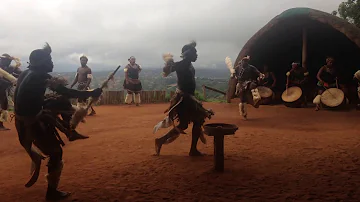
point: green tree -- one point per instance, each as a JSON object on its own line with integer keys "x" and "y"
{"x": 350, "y": 11}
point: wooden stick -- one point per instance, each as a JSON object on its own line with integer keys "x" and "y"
{"x": 330, "y": 92}
{"x": 215, "y": 90}
{"x": 287, "y": 85}
{"x": 104, "y": 84}
{"x": 337, "y": 86}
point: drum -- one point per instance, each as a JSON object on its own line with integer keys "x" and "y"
{"x": 292, "y": 97}
{"x": 332, "y": 98}
{"x": 266, "y": 95}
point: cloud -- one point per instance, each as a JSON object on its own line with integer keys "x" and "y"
{"x": 110, "y": 31}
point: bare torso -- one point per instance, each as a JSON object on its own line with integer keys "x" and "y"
{"x": 82, "y": 74}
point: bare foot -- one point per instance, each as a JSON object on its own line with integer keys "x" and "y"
{"x": 245, "y": 117}
{"x": 76, "y": 136}
{"x": 195, "y": 153}
{"x": 92, "y": 113}
{"x": 55, "y": 195}
{"x": 4, "y": 129}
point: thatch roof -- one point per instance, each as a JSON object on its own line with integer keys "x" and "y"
{"x": 279, "y": 42}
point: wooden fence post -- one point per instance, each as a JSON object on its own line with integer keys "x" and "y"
{"x": 117, "y": 97}
{"x": 204, "y": 92}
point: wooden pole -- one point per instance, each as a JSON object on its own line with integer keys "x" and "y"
{"x": 204, "y": 91}
{"x": 304, "y": 48}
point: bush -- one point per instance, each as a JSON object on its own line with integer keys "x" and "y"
{"x": 167, "y": 97}
{"x": 199, "y": 96}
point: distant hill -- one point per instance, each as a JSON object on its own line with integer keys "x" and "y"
{"x": 152, "y": 79}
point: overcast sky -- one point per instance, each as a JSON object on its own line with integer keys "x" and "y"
{"x": 110, "y": 31}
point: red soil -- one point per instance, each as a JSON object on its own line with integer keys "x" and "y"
{"x": 279, "y": 154}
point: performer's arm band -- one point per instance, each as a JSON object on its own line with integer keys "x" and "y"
{"x": 125, "y": 70}
{"x": 89, "y": 76}
{"x": 287, "y": 73}
{"x": 306, "y": 74}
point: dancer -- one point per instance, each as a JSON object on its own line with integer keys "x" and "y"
{"x": 32, "y": 123}
{"x": 84, "y": 78}
{"x": 183, "y": 106}
{"x": 132, "y": 84}
{"x": 248, "y": 77}
{"x": 5, "y": 61}
{"x": 8, "y": 75}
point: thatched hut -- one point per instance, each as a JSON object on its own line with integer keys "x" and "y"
{"x": 307, "y": 36}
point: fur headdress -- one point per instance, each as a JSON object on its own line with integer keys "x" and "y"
{"x": 132, "y": 57}
{"x": 47, "y": 48}
{"x": 39, "y": 56}
{"x": 188, "y": 48}
{"x": 5, "y": 56}
{"x": 83, "y": 56}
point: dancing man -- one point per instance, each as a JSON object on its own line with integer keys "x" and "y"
{"x": 83, "y": 77}
{"x": 246, "y": 88}
{"x": 5, "y": 61}
{"x": 132, "y": 84}
{"x": 8, "y": 75}
{"x": 31, "y": 123}
{"x": 183, "y": 106}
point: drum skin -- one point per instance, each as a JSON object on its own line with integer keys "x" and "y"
{"x": 293, "y": 97}
{"x": 333, "y": 98}
{"x": 267, "y": 95}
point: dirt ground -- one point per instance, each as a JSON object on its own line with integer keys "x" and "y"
{"x": 279, "y": 154}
